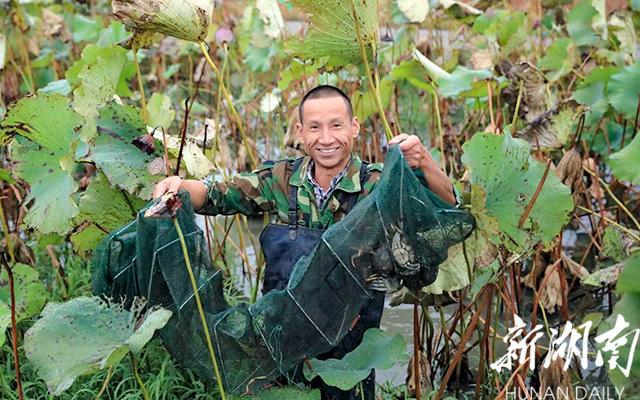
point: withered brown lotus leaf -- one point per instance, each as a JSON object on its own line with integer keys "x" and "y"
{"x": 183, "y": 19}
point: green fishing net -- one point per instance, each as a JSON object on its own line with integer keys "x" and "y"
{"x": 398, "y": 235}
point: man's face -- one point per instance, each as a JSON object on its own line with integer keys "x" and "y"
{"x": 327, "y": 132}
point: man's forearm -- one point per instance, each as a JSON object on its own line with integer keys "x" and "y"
{"x": 197, "y": 191}
{"x": 438, "y": 181}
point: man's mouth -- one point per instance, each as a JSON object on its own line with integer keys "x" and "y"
{"x": 328, "y": 151}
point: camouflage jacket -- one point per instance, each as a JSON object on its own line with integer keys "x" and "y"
{"x": 267, "y": 190}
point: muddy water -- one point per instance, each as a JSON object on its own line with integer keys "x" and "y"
{"x": 397, "y": 320}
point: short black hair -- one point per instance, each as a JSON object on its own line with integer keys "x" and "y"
{"x": 322, "y": 92}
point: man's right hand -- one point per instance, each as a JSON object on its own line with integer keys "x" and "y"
{"x": 196, "y": 189}
{"x": 170, "y": 184}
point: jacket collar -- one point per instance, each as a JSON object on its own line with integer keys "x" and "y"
{"x": 349, "y": 183}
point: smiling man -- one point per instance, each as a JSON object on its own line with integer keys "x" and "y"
{"x": 309, "y": 194}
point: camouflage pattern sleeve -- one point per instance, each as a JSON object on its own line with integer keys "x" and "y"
{"x": 248, "y": 193}
{"x": 375, "y": 169}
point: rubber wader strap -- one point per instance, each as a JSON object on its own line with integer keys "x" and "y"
{"x": 293, "y": 198}
{"x": 293, "y": 205}
{"x": 363, "y": 178}
{"x": 293, "y": 212}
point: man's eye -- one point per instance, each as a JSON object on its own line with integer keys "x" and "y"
{"x": 337, "y": 125}
{"x": 313, "y": 127}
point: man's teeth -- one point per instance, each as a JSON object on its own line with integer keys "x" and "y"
{"x": 327, "y": 150}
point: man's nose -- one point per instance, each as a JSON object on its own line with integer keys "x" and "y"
{"x": 325, "y": 136}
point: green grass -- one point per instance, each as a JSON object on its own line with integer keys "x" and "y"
{"x": 161, "y": 376}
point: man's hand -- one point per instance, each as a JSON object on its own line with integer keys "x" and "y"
{"x": 170, "y": 184}
{"x": 418, "y": 156}
{"x": 413, "y": 150}
{"x": 196, "y": 189}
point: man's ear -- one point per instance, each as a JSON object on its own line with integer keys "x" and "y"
{"x": 355, "y": 126}
{"x": 298, "y": 128}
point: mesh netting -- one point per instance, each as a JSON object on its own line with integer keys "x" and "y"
{"x": 399, "y": 234}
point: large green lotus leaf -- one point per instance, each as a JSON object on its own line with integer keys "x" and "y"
{"x": 160, "y": 111}
{"x": 85, "y": 335}
{"x": 559, "y": 59}
{"x": 364, "y": 103}
{"x": 599, "y": 21}
{"x": 274, "y": 26}
{"x": 84, "y": 28}
{"x": 45, "y": 160}
{"x": 579, "y": 24}
{"x": 453, "y": 274}
{"x": 30, "y": 292}
{"x": 414, "y": 10}
{"x": 257, "y": 47}
{"x": 86, "y": 239}
{"x": 624, "y": 163}
{"x": 413, "y": 72}
{"x": 95, "y": 77}
{"x": 593, "y": 96}
{"x": 5, "y": 321}
{"x": 629, "y": 308}
{"x": 624, "y": 89}
{"x": 297, "y": 70}
{"x": 107, "y": 207}
{"x": 510, "y": 29}
{"x": 49, "y": 175}
{"x": 103, "y": 209}
{"x": 197, "y": 164}
{"x": 599, "y": 74}
{"x": 463, "y": 80}
{"x": 483, "y": 277}
{"x": 280, "y": 393}
{"x": 123, "y": 163}
{"x": 486, "y": 223}
{"x": 377, "y": 350}
{"x": 5, "y": 176}
{"x": 504, "y": 169}
{"x": 629, "y": 281}
{"x": 333, "y": 30}
{"x": 624, "y": 30}
{"x": 46, "y": 119}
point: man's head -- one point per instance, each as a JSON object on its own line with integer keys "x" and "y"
{"x": 327, "y": 127}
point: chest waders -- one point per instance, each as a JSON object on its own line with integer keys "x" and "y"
{"x": 282, "y": 246}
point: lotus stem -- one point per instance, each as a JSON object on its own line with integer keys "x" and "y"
{"x": 532, "y": 202}
{"x": 436, "y": 104}
{"x": 615, "y": 199}
{"x": 143, "y": 100}
{"x": 416, "y": 348}
{"x": 134, "y": 366}
{"x": 205, "y": 327}
{"x": 612, "y": 222}
{"x": 490, "y": 95}
{"x": 515, "y": 113}
{"x": 14, "y": 327}
{"x": 7, "y": 234}
{"x": 105, "y": 384}
{"x": 227, "y": 97}
{"x": 374, "y": 89}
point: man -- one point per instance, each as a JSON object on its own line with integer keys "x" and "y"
{"x": 309, "y": 194}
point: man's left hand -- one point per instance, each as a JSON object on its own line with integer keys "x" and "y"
{"x": 413, "y": 150}
{"x": 418, "y": 157}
